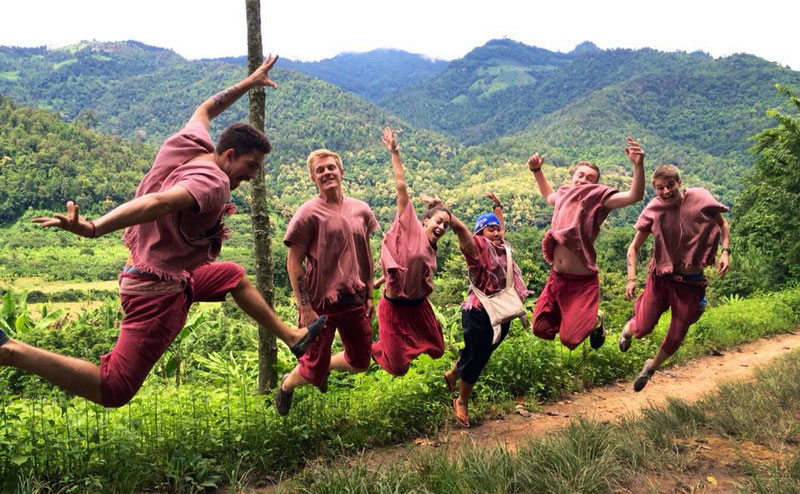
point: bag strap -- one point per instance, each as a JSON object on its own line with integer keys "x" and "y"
{"x": 509, "y": 267}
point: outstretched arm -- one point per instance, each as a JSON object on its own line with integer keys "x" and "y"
{"x": 497, "y": 209}
{"x": 390, "y": 141}
{"x": 636, "y": 193}
{"x": 148, "y": 207}
{"x": 465, "y": 240}
{"x": 218, "y": 103}
{"x": 633, "y": 255}
{"x": 724, "y": 263}
{"x": 535, "y": 163}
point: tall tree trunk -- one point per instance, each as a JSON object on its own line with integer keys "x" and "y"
{"x": 267, "y": 349}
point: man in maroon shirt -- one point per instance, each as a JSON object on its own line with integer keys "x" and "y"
{"x": 174, "y": 231}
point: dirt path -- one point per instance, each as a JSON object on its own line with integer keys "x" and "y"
{"x": 689, "y": 381}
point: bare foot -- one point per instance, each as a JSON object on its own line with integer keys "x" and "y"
{"x": 462, "y": 413}
{"x": 451, "y": 381}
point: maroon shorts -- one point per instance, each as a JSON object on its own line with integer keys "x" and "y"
{"x": 355, "y": 331}
{"x": 152, "y": 323}
{"x": 662, "y": 293}
{"x": 404, "y": 332}
{"x": 567, "y": 306}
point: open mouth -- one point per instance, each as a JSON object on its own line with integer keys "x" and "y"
{"x": 438, "y": 232}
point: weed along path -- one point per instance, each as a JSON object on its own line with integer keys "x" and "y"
{"x": 689, "y": 381}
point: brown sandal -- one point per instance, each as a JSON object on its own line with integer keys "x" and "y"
{"x": 462, "y": 420}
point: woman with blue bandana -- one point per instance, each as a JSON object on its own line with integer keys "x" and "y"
{"x": 487, "y": 261}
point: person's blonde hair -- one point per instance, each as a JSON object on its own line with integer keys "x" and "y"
{"x": 590, "y": 165}
{"x": 322, "y": 153}
{"x": 667, "y": 172}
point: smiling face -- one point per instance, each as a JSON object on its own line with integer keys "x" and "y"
{"x": 668, "y": 190}
{"x": 436, "y": 225}
{"x": 326, "y": 173}
{"x": 493, "y": 233}
{"x": 584, "y": 175}
{"x": 241, "y": 168}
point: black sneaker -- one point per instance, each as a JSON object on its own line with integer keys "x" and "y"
{"x": 3, "y": 337}
{"x": 283, "y": 399}
{"x": 598, "y": 336}
{"x": 323, "y": 387}
{"x": 643, "y": 377}
{"x": 625, "y": 341}
{"x": 313, "y": 330}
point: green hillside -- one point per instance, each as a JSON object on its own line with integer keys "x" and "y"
{"x": 710, "y": 103}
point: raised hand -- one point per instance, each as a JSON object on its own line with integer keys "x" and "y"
{"x": 72, "y": 222}
{"x": 634, "y": 152}
{"x": 261, "y": 75}
{"x": 389, "y": 140}
{"x": 494, "y": 199}
{"x": 431, "y": 201}
{"x": 535, "y": 162}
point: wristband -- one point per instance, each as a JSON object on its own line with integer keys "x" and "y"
{"x": 632, "y": 279}
{"x": 94, "y": 230}
{"x": 536, "y": 170}
{"x": 498, "y": 205}
{"x": 726, "y": 249}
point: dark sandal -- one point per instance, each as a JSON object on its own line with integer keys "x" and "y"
{"x": 283, "y": 399}
{"x": 3, "y": 337}
{"x": 643, "y": 377}
{"x": 313, "y": 330}
{"x": 598, "y": 336}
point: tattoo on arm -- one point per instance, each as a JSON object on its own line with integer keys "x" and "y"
{"x": 222, "y": 97}
{"x": 301, "y": 287}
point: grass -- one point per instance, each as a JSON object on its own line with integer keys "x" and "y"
{"x": 45, "y": 286}
{"x": 210, "y": 427}
{"x": 742, "y": 438}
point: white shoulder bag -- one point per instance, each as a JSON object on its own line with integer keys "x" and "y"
{"x": 504, "y": 305}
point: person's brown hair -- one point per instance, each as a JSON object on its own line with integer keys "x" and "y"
{"x": 667, "y": 172}
{"x": 242, "y": 138}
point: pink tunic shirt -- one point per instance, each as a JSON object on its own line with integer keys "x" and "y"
{"x": 577, "y": 217}
{"x": 685, "y": 235}
{"x": 407, "y": 257}
{"x": 172, "y": 246}
{"x": 337, "y": 241}
{"x": 487, "y": 271}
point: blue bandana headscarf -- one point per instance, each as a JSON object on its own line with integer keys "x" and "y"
{"x": 485, "y": 220}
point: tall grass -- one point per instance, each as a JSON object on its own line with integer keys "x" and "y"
{"x": 183, "y": 439}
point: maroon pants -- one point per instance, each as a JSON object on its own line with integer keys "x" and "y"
{"x": 355, "y": 331}
{"x": 405, "y": 332}
{"x": 662, "y": 293}
{"x": 567, "y": 306}
{"x": 150, "y": 325}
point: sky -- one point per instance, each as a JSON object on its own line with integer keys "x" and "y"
{"x": 444, "y": 29}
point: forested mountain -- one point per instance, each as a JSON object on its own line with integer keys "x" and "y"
{"x": 373, "y": 75}
{"x": 513, "y": 99}
{"x": 44, "y": 162}
{"x": 504, "y": 86}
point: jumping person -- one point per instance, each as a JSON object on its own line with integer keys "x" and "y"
{"x": 174, "y": 232}
{"x": 570, "y": 299}
{"x": 687, "y": 227}
{"x": 486, "y": 254}
{"x": 330, "y": 233}
{"x": 407, "y": 326}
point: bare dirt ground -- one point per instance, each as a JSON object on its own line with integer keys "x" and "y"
{"x": 689, "y": 381}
